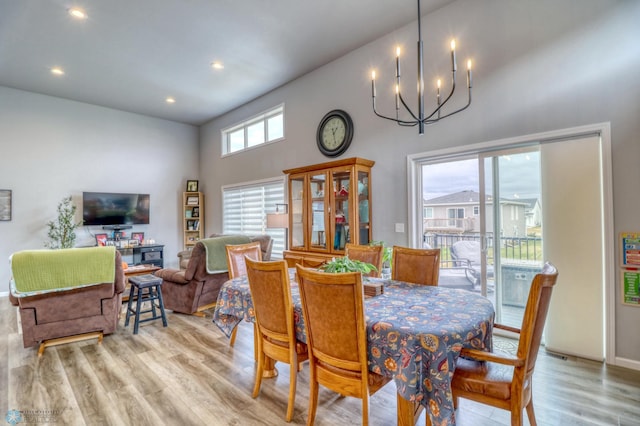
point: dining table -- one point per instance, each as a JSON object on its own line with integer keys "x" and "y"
{"x": 414, "y": 335}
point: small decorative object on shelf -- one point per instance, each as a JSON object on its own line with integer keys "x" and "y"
{"x": 193, "y": 214}
{"x": 192, "y": 186}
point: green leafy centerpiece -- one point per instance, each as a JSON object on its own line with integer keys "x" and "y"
{"x": 344, "y": 264}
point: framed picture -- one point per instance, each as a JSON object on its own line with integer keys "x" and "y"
{"x": 101, "y": 239}
{"x": 5, "y": 204}
{"x": 192, "y": 201}
{"x": 192, "y": 186}
{"x": 134, "y": 243}
{"x": 195, "y": 212}
{"x": 138, "y": 236}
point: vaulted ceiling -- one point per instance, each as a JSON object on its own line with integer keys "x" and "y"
{"x": 134, "y": 54}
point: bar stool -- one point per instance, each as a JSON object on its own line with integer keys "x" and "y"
{"x": 145, "y": 288}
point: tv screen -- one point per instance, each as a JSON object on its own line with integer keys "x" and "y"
{"x": 104, "y": 208}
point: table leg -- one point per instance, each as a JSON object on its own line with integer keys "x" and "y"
{"x": 408, "y": 411}
{"x": 270, "y": 369}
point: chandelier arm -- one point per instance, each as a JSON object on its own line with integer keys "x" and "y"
{"x": 400, "y": 122}
{"x": 406, "y": 107}
{"x": 427, "y": 121}
{"x": 442, "y": 104}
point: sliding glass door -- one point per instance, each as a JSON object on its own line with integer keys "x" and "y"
{"x": 483, "y": 212}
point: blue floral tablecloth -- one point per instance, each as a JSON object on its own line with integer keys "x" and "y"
{"x": 415, "y": 334}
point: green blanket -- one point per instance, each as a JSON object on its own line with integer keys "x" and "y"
{"x": 217, "y": 252}
{"x": 38, "y": 270}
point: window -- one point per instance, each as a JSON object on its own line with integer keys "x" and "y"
{"x": 428, "y": 213}
{"x": 476, "y": 210}
{"x": 264, "y": 128}
{"x": 454, "y": 214}
{"x": 245, "y": 208}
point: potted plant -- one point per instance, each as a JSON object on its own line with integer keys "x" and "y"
{"x": 386, "y": 257}
{"x": 344, "y": 264}
{"x": 62, "y": 232}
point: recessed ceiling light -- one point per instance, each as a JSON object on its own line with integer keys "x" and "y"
{"x": 217, "y": 65}
{"x": 77, "y": 13}
{"x": 170, "y": 100}
{"x": 57, "y": 71}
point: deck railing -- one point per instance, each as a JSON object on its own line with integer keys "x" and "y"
{"x": 525, "y": 249}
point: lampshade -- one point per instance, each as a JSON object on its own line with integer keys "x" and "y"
{"x": 277, "y": 220}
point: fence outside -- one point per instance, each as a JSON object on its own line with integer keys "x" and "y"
{"x": 512, "y": 249}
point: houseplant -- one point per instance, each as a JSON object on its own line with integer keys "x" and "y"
{"x": 386, "y": 257}
{"x": 344, "y": 264}
{"x": 62, "y": 232}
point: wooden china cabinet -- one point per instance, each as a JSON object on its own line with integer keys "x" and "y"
{"x": 329, "y": 206}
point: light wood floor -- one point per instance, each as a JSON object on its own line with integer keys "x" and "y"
{"x": 187, "y": 374}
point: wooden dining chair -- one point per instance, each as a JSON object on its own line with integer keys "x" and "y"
{"x": 235, "y": 261}
{"x": 368, "y": 254}
{"x": 275, "y": 326}
{"x": 504, "y": 381}
{"x": 418, "y": 266}
{"x": 333, "y": 310}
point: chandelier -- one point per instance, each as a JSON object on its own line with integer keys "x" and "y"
{"x": 420, "y": 119}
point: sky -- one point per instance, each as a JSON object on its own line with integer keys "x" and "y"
{"x": 519, "y": 177}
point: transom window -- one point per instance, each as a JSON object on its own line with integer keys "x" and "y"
{"x": 264, "y": 128}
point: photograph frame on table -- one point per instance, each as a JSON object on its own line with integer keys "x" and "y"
{"x": 192, "y": 186}
{"x": 195, "y": 212}
{"x": 5, "y": 204}
{"x": 138, "y": 236}
{"x": 101, "y": 239}
{"x": 192, "y": 201}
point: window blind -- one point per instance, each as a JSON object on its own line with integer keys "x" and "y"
{"x": 245, "y": 209}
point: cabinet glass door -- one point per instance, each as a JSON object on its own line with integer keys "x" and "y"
{"x": 297, "y": 212}
{"x": 364, "y": 209}
{"x": 318, "y": 187}
{"x": 341, "y": 214}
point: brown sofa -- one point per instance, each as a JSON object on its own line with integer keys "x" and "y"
{"x": 75, "y": 309}
{"x": 193, "y": 289}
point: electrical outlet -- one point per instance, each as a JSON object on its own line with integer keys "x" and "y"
{"x": 399, "y": 227}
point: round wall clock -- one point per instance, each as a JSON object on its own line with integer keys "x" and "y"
{"x": 335, "y": 132}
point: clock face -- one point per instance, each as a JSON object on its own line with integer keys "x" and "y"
{"x": 335, "y": 132}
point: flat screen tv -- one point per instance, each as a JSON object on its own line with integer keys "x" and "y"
{"x": 106, "y": 208}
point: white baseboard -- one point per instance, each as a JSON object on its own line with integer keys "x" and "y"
{"x": 627, "y": 363}
{"x": 4, "y": 294}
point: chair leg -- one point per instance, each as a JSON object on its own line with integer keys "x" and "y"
{"x": 259, "y": 372}
{"x": 255, "y": 341}
{"x": 232, "y": 341}
{"x": 313, "y": 398}
{"x": 516, "y": 416}
{"x": 293, "y": 379}
{"x": 531, "y": 414}
{"x": 365, "y": 410}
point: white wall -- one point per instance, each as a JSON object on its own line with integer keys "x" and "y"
{"x": 539, "y": 66}
{"x": 51, "y": 148}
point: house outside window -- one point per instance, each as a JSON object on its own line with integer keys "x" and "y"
{"x": 454, "y": 215}
{"x": 245, "y": 207}
{"x": 264, "y": 128}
